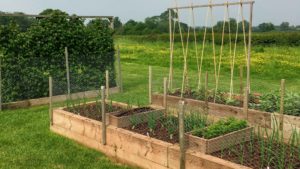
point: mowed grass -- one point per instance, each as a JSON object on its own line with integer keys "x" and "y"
{"x": 26, "y": 142}
{"x": 269, "y": 64}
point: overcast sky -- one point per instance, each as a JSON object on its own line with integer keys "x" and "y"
{"x": 274, "y": 11}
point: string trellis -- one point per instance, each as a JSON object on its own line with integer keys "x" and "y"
{"x": 174, "y": 19}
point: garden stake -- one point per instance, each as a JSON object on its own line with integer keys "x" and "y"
{"x": 120, "y": 70}
{"x": 68, "y": 71}
{"x": 206, "y": 93}
{"x": 241, "y": 82}
{"x": 181, "y": 133}
{"x": 282, "y": 93}
{"x": 107, "y": 83}
{"x": 103, "y": 115}
{"x": 165, "y": 92}
{"x": 0, "y": 85}
{"x": 150, "y": 85}
{"x": 50, "y": 101}
{"x": 246, "y": 97}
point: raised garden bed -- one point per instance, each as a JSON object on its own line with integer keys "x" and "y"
{"x": 209, "y": 146}
{"x": 269, "y": 121}
{"x": 130, "y": 147}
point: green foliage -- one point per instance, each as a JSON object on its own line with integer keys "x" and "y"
{"x": 171, "y": 124}
{"x": 292, "y": 104}
{"x": 220, "y": 128}
{"x": 134, "y": 121}
{"x": 152, "y": 121}
{"x": 266, "y": 27}
{"x": 194, "y": 120}
{"x": 31, "y": 56}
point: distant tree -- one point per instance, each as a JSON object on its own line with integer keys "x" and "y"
{"x": 117, "y": 23}
{"x": 23, "y": 21}
{"x": 266, "y": 27}
{"x": 284, "y": 26}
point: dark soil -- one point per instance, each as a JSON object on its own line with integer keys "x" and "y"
{"x": 160, "y": 132}
{"x": 129, "y": 112}
{"x": 254, "y": 157}
{"x": 92, "y": 111}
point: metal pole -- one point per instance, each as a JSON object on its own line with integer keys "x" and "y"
{"x": 181, "y": 133}
{"x": 249, "y": 47}
{"x": 103, "y": 115}
{"x": 50, "y": 100}
{"x": 68, "y": 71}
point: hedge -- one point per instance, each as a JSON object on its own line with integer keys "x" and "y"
{"x": 270, "y": 38}
{"x": 30, "y": 57}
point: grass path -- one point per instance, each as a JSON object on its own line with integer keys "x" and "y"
{"x": 26, "y": 142}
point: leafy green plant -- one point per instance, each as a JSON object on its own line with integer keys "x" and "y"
{"x": 195, "y": 120}
{"x": 171, "y": 124}
{"x": 152, "y": 121}
{"x": 220, "y": 128}
{"x": 134, "y": 121}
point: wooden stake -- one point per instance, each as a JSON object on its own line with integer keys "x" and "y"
{"x": 282, "y": 94}
{"x": 103, "y": 115}
{"x": 165, "y": 92}
{"x": 181, "y": 133}
{"x": 68, "y": 71}
{"x": 249, "y": 47}
{"x": 241, "y": 83}
{"x": 120, "y": 70}
{"x": 150, "y": 85}
{"x": 206, "y": 93}
{"x": 245, "y": 107}
{"x": 171, "y": 51}
{"x": 107, "y": 83}
{"x": 50, "y": 101}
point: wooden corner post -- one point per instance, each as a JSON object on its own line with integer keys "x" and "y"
{"x": 103, "y": 113}
{"x": 150, "y": 85}
{"x": 107, "y": 83}
{"x": 181, "y": 133}
{"x": 68, "y": 72}
{"x": 50, "y": 101}
{"x": 119, "y": 70}
{"x": 206, "y": 93}
{"x": 165, "y": 92}
{"x": 246, "y": 101}
{"x": 282, "y": 94}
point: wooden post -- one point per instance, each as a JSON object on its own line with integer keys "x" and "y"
{"x": 206, "y": 93}
{"x": 68, "y": 71}
{"x": 246, "y": 98}
{"x": 150, "y": 85}
{"x": 282, "y": 94}
{"x": 241, "y": 83}
{"x": 107, "y": 83}
{"x": 50, "y": 101}
{"x": 119, "y": 70}
{"x": 103, "y": 115}
{"x": 249, "y": 47}
{"x": 181, "y": 133}
{"x": 171, "y": 51}
{"x": 165, "y": 92}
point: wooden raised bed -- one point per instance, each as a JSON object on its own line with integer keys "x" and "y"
{"x": 131, "y": 148}
{"x": 216, "y": 111}
{"x": 209, "y": 146}
{"x": 124, "y": 121}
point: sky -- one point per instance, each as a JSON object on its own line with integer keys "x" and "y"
{"x": 274, "y": 11}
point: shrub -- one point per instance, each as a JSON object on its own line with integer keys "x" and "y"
{"x": 31, "y": 56}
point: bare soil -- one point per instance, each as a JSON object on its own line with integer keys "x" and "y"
{"x": 129, "y": 112}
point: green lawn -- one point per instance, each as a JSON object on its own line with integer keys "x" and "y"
{"x": 26, "y": 142}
